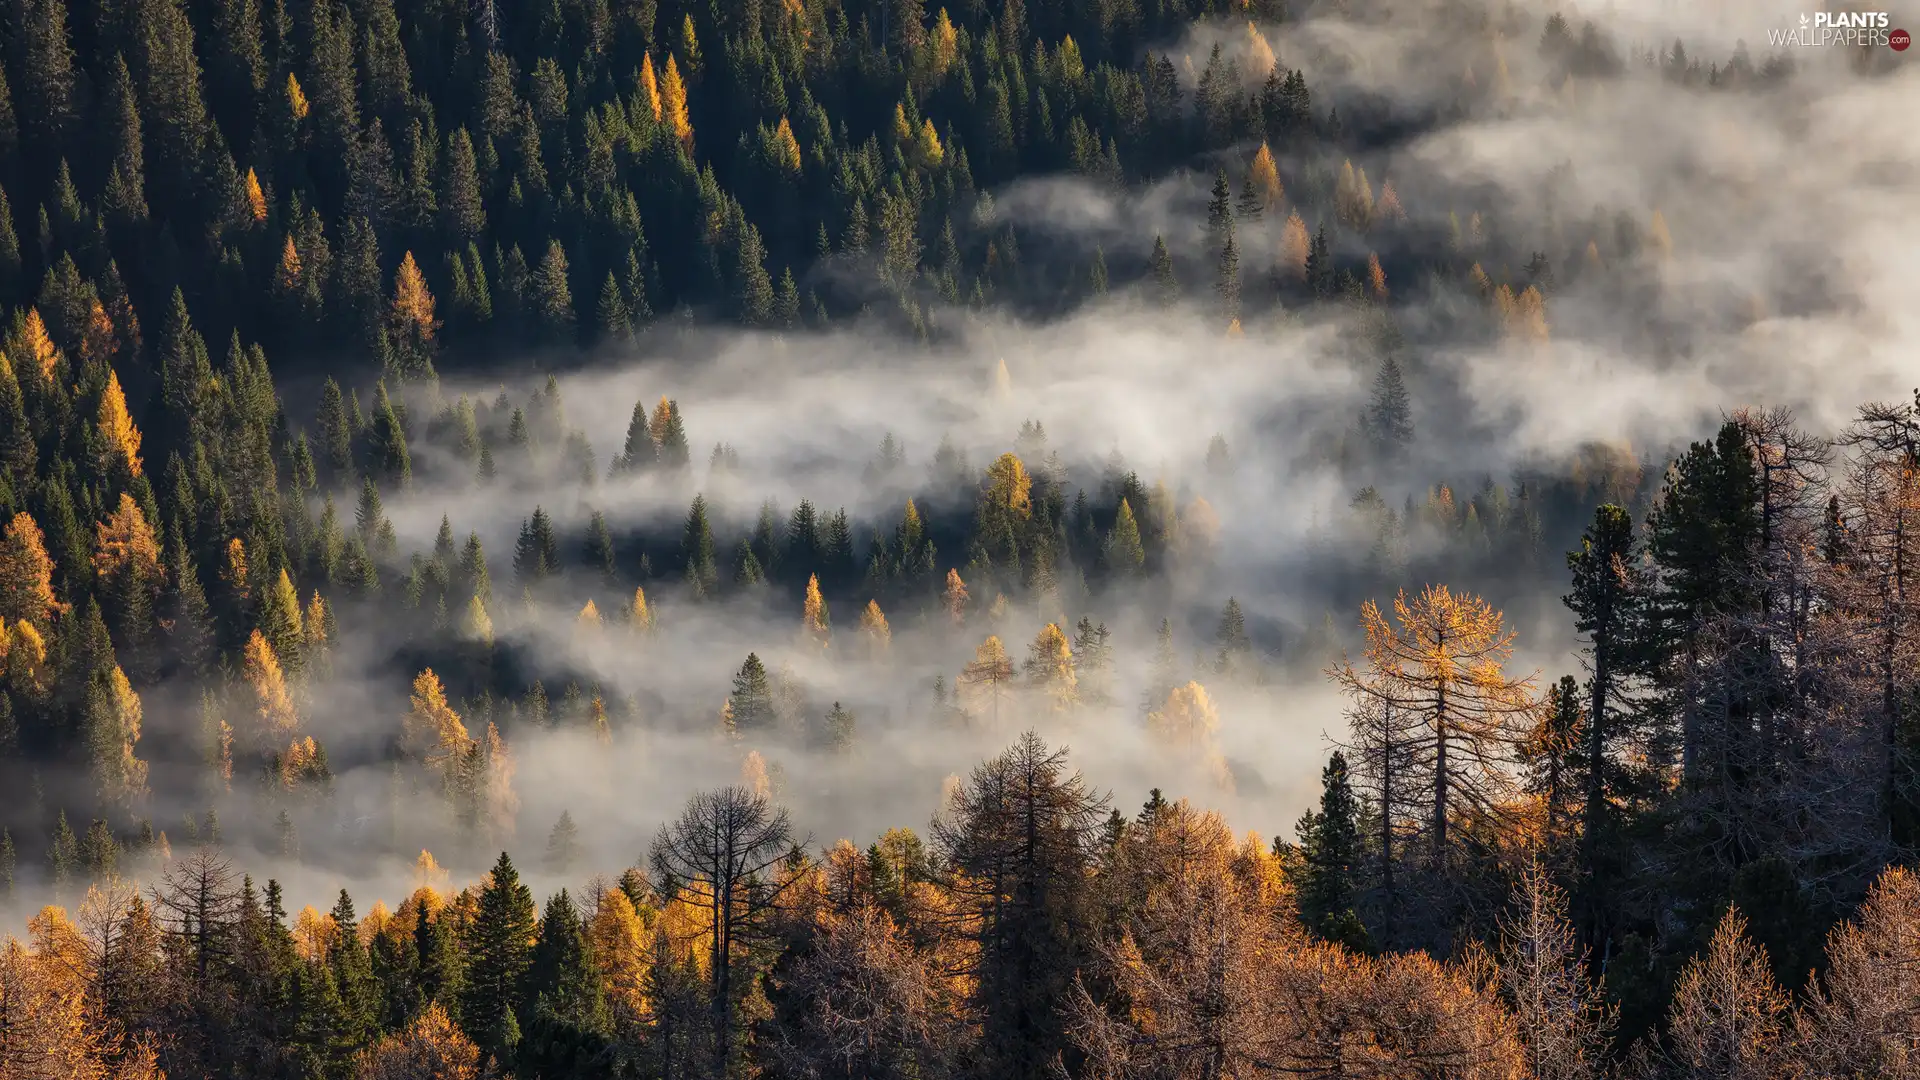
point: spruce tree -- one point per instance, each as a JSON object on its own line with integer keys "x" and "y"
{"x": 498, "y": 952}
{"x": 696, "y": 550}
{"x": 1330, "y": 851}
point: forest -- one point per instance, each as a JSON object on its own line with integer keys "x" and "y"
{"x": 564, "y": 539}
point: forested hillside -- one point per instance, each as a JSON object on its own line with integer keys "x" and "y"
{"x": 636, "y": 444}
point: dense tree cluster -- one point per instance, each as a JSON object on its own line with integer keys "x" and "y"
{"x": 378, "y": 195}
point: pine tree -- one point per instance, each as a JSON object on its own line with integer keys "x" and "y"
{"x": 1389, "y": 418}
{"x": 1166, "y": 289}
{"x": 752, "y": 697}
{"x": 498, "y": 947}
{"x": 696, "y": 550}
{"x": 552, "y": 296}
{"x": 563, "y": 845}
{"x": 1330, "y": 850}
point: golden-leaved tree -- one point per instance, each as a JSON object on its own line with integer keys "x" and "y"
{"x": 1050, "y": 669}
{"x": 988, "y": 677}
{"x": 432, "y": 733}
{"x": 1437, "y": 668}
{"x": 119, "y": 438}
{"x": 275, "y": 716}
{"x": 26, "y": 575}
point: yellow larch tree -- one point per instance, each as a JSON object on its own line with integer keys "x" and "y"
{"x": 661, "y": 422}
{"x": 814, "y": 628}
{"x": 621, "y": 956}
{"x": 786, "y": 148}
{"x": 1265, "y": 176}
{"x": 1438, "y": 664}
{"x": 51, "y": 1029}
{"x": 411, "y": 314}
{"x": 1728, "y": 1016}
{"x": 273, "y": 705}
{"x": 875, "y": 631}
{"x": 286, "y": 277}
{"x": 256, "y": 198}
{"x": 587, "y": 623}
{"x": 1389, "y": 208}
{"x": 673, "y": 105}
{"x": 124, "y": 544}
{"x": 233, "y": 574}
{"x": 753, "y": 775}
{"x": 98, "y": 339}
{"x": 1295, "y": 244}
{"x": 943, "y": 46}
{"x": 430, "y": 876}
{"x": 313, "y": 934}
{"x": 300, "y": 761}
{"x": 1260, "y": 57}
{"x": 113, "y": 732}
{"x": 987, "y": 678}
{"x": 1009, "y": 488}
{"x": 296, "y": 99}
{"x": 1523, "y": 317}
{"x": 927, "y": 149}
{"x": 639, "y": 615}
{"x": 1050, "y": 669}
{"x": 26, "y": 575}
{"x": 42, "y": 354}
{"x": 119, "y": 438}
{"x": 432, "y": 732}
{"x": 476, "y": 624}
{"x": 1481, "y": 282}
{"x": 954, "y": 598}
{"x": 1234, "y": 330}
{"x": 1188, "y": 723}
{"x": 1376, "y": 277}
{"x": 650, "y": 86}
{"x": 429, "y": 1046}
{"x": 313, "y": 624}
{"x": 26, "y": 657}
{"x": 1186, "y": 720}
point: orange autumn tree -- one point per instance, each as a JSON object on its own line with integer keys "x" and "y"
{"x": 1050, "y": 669}
{"x": 127, "y": 559}
{"x": 410, "y": 320}
{"x": 650, "y": 86}
{"x": 432, "y": 733}
{"x": 1295, "y": 244}
{"x": 1264, "y": 177}
{"x": 37, "y": 346}
{"x": 954, "y": 598}
{"x": 673, "y": 105}
{"x": 119, "y": 438}
{"x": 26, "y": 575}
{"x": 273, "y": 704}
{"x": 1438, "y": 665}
{"x": 987, "y": 678}
{"x": 874, "y": 628}
{"x": 256, "y": 198}
{"x": 813, "y": 623}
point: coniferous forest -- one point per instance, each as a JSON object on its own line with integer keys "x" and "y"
{"x": 561, "y": 539}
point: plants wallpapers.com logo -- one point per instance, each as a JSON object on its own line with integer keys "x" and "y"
{"x": 1824, "y": 29}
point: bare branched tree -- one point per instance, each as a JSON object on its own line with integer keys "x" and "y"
{"x": 718, "y": 856}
